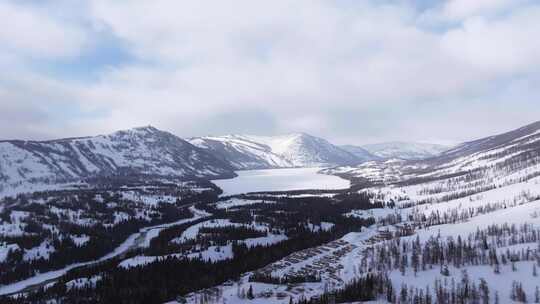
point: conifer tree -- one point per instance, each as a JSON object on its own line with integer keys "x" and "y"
{"x": 250, "y": 293}
{"x": 484, "y": 291}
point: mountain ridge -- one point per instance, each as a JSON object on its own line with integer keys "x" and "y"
{"x": 363, "y": 154}
{"x": 405, "y": 150}
{"x": 281, "y": 151}
{"x": 497, "y": 156}
{"x": 139, "y": 151}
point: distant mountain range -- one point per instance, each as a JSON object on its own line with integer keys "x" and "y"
{"x": 405, "y": 150}
{"x": 484, "y": 160}
{"x": 149, "y": 152}
{"x": 484, "y": 191}
{"x": 303, "y": 150}
{"x": 361, "y": 153}
{"x": 261, "y": 152}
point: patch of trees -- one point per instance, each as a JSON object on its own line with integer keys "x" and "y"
{"x": 367, "y": 288}
{"x": 219, "y": 235}
{"x": 162, "y": 245}
{"x": 162, "y": 281}
{"x": 62, "y": 214}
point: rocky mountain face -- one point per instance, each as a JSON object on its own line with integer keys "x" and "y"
{"x": 286, "y": 151}
{"x": 143, "y": 151}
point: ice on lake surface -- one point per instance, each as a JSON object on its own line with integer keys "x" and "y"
{"x": 280, "y": 180}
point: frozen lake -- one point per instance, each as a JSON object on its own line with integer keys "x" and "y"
{"x": 280, "y": 180}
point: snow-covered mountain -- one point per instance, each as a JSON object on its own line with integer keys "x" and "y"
{"x": 141, "y": 151}
{"x": 241, "y": 152}
{"x": 514, "y": 154}
{"x": 405, "y": 150}
{"x": 461, "y": 225}
{"x": 503, "y": 154}
{"x": 361, "y": 153}
{"x": 524, "y": 138}
{"x": 467, "y": 218}
{"x": 484, "y": 191}
{"x": 258, "y": 152}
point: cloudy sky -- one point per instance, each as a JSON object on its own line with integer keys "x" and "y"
{"x": 352, "y": 71}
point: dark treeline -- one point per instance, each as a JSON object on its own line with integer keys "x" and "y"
{"x": 367, "y": 288}
{"x": 288, "y": 212}
{"x": 221, "y": 235}
{"x": 102, "y": 241}
{"x": 89, "y": 213}
{"x": 172, "y": 275}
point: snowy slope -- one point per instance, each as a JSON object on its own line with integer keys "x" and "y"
{"x": 285, "y": 151}
{"x": 405, "y": 150}
{"x": 141, "y": 151}
{"x": 474, "y": 211}
{"x": 241, "y": 152}
{"x": 361, "y": 153}
{"x": 525, "y": 135}
{"x": 480, "y": 161}
{"x": 504, "y": 221}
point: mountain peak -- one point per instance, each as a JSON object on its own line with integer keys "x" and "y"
{"x": 142, "y": 129}
{"x": 142, "y": 151}
{"x": 300, "y": 134}
{"x": 282, "y": 151}
{"x": 139, "y": 132}
{"x": 148, "y": 128}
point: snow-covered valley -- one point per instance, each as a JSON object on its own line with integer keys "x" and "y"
{"x": 461, "y": 230}
{"x": 461, "y": 227}
{"x": 270, "y": 152}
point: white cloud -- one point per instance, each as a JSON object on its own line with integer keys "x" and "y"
{"x": 314, "y": 66}
{"x": 33, "y": 32}
{"x": 461, "y": 9}
{"x": 505, "y": 45}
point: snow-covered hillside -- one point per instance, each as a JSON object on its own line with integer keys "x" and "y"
{"x": 260, "y": 152}
{"x": 405, "y": 150}
{"x": 464, "y": 225}
{"x": 143, "y": 151}
{"x": 361, "y": 153}
{"x": 513, "y": 155}
{"x": 241, "y": 152}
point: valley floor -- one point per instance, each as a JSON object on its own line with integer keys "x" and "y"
{"x": 351, "y": 257}
{"x": 134, "y": 241}
{"x": 423, "y": 243}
